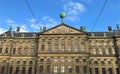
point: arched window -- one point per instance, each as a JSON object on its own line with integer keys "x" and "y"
{"x": 94, "y": 51}
{"x": 100, "y": 51}
{"x": 30, "y": 62}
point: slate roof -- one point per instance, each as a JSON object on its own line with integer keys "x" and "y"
{"x": 31, "y": 34}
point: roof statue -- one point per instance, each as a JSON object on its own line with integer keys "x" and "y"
{"x": 118, "y": 26}
{"x": 62, "y": 16}
{"x": 40, "y": 27}
{"x": 10, "y": 27}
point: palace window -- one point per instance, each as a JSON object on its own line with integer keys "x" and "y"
{"x": 69, "y": 60}
{"x": 77, "y": 69}
{"x": 41, "y": 60}
{"x": 117, "y": 71}
{"x": 55, "y": 60}
{"x": 55, "y": 69}
{"x": 33, "y": 43}
{"x": 56, "y": 48}
{"x": 17, "y": 69}
{"x": 24, "y": 62}
{"x": 69, "y": 69}
{"x": 14, "y": 50}
{"x": 95, "y": 62}
{"x": 42, "y": 47}
{"x": 76, "y": 48}
{"x": 23, "y": 70}
{"x": 62, "y": 69}
{"x": 62, "y": 60}
{"x": 48, "y": 68}
{"x": 107, "y": 51}
{"x": 26, "y": 50}
{"x": 19, "y": 50}
{"x": 11, "y": 69}
{"x": 32, "y": 50}
{"x": 69, "y": 48}
{"x": 103, "y": 71}
{"x": 84, "y": 60}
{"x": 83, "y": 48}
{"x": 84, "y": 69}
{"x": 6, "y": 50}
{"x": 110, "y": 71}
{"x": 49, "y": 47}
{"x": 76, "y": 60}
{"x": 113, "y": 51}
{"x": 18, "y": 62}
{"x": 41, "y": 69}
{"x": 94, "y": 51}
{"x": 96, "y": 71}
{"x": 30, "y": 63}
{"x": 0, "y": 50}
{"x": 100, "y": 51}
{"x": 30, "y": 70}
{"x": 48, "y": 60}
{"x": 63, "y": 48}
{"x": 3, "y": 70}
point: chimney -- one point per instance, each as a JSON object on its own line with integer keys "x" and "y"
{"x": 18, "y": 29}
{"x": 109, "y": 28}
{"x": 44, "y": 29}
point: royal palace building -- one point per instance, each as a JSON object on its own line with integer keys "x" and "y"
{"x": 60, "y": 50}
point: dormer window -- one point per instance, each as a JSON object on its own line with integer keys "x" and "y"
{"x": 22, "y": 35}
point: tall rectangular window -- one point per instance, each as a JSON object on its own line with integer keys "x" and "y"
{"x": 49, "y": 47}
{"x": 103, "y": 71}
{"x": 77, "y": 69}
{"x": 3, "y": 70}
{"x": 17, "y": 69}
{"x": 19, "y": 50}
{"x": 96, "y": 71}
{"x": 84, "y": 69}
{"x": 117, "y": 71}
{"x": 42, "y": 47}
{"x": 0, "y": 50}
{"x": 55, "y": 69}
{"x": 11, "y": 69}
{"x": 30, "y": 70}
{"x": 110, "y": 71}
{"x": 41, "y": 69}
{"x": 62, "y": 69}
{"x": 14, "y": 50}
{"x": 6, "y": 50}
{"x": 56, "y": 48}
{"x": 48, "y": 68}
{"x": 69, "y": 69}
{"x": 23, "y": 70}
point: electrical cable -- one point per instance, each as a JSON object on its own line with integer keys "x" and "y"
{"x": 99, "y": 15}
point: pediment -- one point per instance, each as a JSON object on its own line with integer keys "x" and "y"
{"x": 63, "y": 29}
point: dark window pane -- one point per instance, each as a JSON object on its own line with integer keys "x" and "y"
{"x": 41, "y": 69}
{"x": 30, "y": 70}
{"x": 103, "y": 71}
{"x": 90, "y": 70}
{"x": 117, "y": 71}
{"x": 96, "y": 71}
{"x": 11, "y": 69}
{"x": 14, "y": 50}
{"x": 110, "y": 71}
{"x": 23, "y": 70}
{"x": 6, "y": 50}
{"x": 77, "y": 69}
{"x": 84, "y": 69}
{"x": 48, "y": 69}
{"x": 0, "y": 50}
{"x": 17, "y": 69}
{"x": 2, "y": 70}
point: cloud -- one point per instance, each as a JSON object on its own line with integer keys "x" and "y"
{"x": 73, "y": 10}
{"x": 45, "y": 21}
{"x": 2, "y": 30}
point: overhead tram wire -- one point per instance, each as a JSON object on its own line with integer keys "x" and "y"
{"x": 31, "y": 10}
{"x": 99, "y": 15}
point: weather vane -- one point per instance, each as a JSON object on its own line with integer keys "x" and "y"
{"x": 62, "y": 16}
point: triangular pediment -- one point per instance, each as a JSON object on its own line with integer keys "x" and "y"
{"x": 63, "y": 29}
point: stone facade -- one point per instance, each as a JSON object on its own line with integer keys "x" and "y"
{"x": 60, "y": 50}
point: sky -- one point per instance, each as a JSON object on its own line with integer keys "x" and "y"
{"x": 78, "y": 13}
